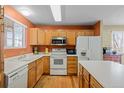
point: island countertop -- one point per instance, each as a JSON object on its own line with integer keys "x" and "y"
{"x": 107, "y": 73}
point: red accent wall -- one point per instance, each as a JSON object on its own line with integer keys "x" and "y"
{"x": 10, "y": 11}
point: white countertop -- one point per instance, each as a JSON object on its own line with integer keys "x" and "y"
{"x": 108, "y": 74}
{"x": 13, "y": 63}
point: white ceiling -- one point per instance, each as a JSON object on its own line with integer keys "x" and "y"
{"x": 76, "y": 14}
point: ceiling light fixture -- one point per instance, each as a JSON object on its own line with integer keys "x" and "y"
{"x": 25, "y": 11}
{"x": 56, "y": 11}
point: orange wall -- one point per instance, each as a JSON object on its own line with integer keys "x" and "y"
{"x": 17, "y": 16}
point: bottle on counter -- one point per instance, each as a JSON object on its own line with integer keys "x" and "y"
{"x": 35, "y": 50}
{"x": 46, "y": 51}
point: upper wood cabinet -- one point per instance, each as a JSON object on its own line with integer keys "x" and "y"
{"x": 80, "y": 33}
{"x": 41, "y": 37}
{"x": 71, "y": 37}
{"x": 33, "y": 36}
{"x": 48, "y": 37}
{"x": 89, "y": 32}
{"x": 37, "y": 36}
{"x": 62, "y": 33}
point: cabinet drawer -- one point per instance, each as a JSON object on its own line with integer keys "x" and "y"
{"x": 94, "y": 83}
{"x": 86, "y": 74}
{"x": 31, "y": 65}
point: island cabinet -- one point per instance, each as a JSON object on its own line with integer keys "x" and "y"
{"x": 31, "y": 74}
{"x": 72, "y": 65}
{"x": 86, "y": 80}
{"x": 46, "y": 65}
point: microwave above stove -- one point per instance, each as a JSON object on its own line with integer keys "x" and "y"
{"x": 59, "y": 40}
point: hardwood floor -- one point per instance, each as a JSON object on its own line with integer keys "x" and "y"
{"x": 47, "y": 81}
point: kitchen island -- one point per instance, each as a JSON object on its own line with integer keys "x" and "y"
{"x": 98, "y": 74}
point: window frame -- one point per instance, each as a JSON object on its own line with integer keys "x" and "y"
{"x": 24, "y": 42}
{"x": 122, "y": 50}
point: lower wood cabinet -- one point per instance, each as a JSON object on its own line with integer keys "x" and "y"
{"x": 31, "y": 75}
{"x": 86, "y": 80}
{"x": 72, "y": 65}
{"x": 39, "y": 68}
{"x": 46, "y": 65}
{"x": 94, "y": 83}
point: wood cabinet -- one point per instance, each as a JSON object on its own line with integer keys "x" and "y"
{"x": 62, "y": 33}
{"x": 37, "y": 36}
{"x": 33, "y": 36}
{"x": 80, "y": 76}
{"x": 46, "y": 65}
{"x": 48, "y": 37}
{"x": 72, "y": 65}
{"x": 89, "y": 32}
{"x": 31, "y": 74}
{"x": 80, "y": 33}
{"x": 94, "y": 83}
{"x": 115, "y": 58}
{"x": 86, "y": 80}
{"x": 71, "y": 37}
{"x": 41, "y": 37}
{"x": 36, "y": 69}
{"x": 39, "y": 69}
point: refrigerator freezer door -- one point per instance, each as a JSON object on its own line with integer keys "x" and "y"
{"x": 82, "y": 46}
{"x": 95, "y": 48}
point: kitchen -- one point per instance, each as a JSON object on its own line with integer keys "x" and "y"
{"x": 40, "y": 53}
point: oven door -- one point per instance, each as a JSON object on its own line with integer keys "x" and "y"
{"x": 57, "y": 62}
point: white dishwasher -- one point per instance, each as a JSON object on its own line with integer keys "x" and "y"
{"x": 18, "y": 78}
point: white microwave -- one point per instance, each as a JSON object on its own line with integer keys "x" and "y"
{"x": 59, "y": 40}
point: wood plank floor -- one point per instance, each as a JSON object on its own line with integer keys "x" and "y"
{"x": 47, "y": 81}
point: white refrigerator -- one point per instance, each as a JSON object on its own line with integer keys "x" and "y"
{"x": 89, "y": 48}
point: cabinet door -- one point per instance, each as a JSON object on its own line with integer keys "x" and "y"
{"x": 85, "y": 83}
{"x": 41, "y": 37}
{"x": 31, "y": 77}
{"x": 80, "y": 33}
{"x": 55, "y": 33}
{"x": 1, "y": 79}
{"x": 33, "y": 36}
{"x": 46, "y": 65}
{"x": 71, "y": 38}
{"x": 94, "y": 83}
{"x": 72, "y": 65}
{"x": 89, "y": 32}
{"x": 80, "y": 76}
{"x": 48, "y": 37}
{"x": 62, "y": 33}
{"x": 39, "y": 69}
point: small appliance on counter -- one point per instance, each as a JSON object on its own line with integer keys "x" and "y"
{"x": 71, "y": 51}
{"x": 35, "y": 50}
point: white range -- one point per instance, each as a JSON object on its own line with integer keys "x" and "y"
{"x": 58, "y": 62}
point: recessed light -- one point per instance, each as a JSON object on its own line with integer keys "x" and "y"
{"x": 56, "y": 11}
